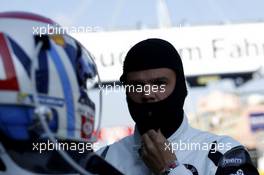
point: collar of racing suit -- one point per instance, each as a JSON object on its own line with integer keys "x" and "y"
{"x": 175, "y": 137}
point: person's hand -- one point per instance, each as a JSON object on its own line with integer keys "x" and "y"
{"x": 153, "y": 151}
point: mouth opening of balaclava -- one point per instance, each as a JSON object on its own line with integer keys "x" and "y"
{"x": 166, "y": 114}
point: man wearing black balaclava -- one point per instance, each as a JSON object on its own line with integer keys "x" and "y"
{"x": 155, "y": 89}
{"x": 166, "y": 114}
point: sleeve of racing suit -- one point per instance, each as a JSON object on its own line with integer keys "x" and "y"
{"x": 180, "y": 170}
{"x": 236, "y": 162}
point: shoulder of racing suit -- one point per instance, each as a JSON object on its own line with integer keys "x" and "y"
{"x": 235, "y": 161}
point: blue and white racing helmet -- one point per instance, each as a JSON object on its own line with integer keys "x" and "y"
{"x": 51, "y": 72}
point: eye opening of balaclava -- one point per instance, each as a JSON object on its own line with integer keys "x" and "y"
{"x": 166, "y": 114}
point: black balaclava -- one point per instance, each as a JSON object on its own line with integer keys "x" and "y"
{"x": 166, "y": 114}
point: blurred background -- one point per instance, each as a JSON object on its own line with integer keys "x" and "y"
{"x": 221, "y": 44}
